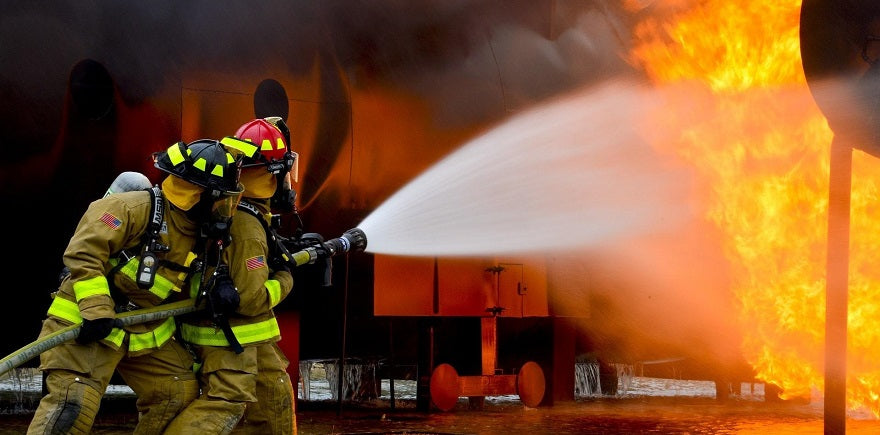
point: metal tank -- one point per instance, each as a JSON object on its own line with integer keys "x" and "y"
{"x": 840, "y": 50}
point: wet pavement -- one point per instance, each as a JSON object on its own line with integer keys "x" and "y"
{"x": 673, "y": 415}
{"x": 642, "y": 406}
{"x": 593, "y": 416}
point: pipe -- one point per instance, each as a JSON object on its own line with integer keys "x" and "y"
{"x": 837, "y": 287}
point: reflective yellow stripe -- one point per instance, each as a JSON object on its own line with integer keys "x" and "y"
{"x": 116, "y": 336}
{"x": 91, "y": 287}
{"x": 162, "y": 286}
{"x": 194, "y": 283}
{"x": 274, "y": 288}
{"x": 200, "y": 164}
{"x": 153, "y": 339}
{"x": 243, "y": 146}
{"x": 174, "y": 154}
{"x": 246, "y": 334}
{"x": 69, "y": 310}
{"x": 218, "y": 170}
{"x": 189, "y": 259}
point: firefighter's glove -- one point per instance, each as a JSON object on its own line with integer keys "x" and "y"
{"x": 321, "y": 251}
{"x": 278, "y": 264}
{"x": 225, "y": 295}
{"x": 94, "y": 330}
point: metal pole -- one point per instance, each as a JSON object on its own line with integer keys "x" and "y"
{"x": 341, "y": 374}
{"x": 391, "y": 360}
{"x": 837, "y": 286}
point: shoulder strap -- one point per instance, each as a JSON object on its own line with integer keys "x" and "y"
{"x": 252, "y": 210}
{"x": 273, "y": 240}
{"x": 149, "y": 263}
{"x": 157, "y": 214}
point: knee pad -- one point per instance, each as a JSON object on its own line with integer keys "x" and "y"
{"x": 275, "y": 405}
{"x": 73, "y": 408}
{"x": 207, "y": 416}
{"x": 161, "y": 405}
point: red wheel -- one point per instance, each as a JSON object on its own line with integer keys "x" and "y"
{"x": 444, "y": 387}
{"x": 530, "y": 384}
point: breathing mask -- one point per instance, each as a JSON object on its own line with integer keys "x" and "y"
{"x": 222, "y": 209}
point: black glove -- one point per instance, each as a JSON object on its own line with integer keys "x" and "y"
{"x": 94, "y": 330}
{"x": 277, "y": 264}
{"x": 224, "y": 295}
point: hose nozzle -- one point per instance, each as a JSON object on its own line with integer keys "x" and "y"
{"x": 353, "y": 240}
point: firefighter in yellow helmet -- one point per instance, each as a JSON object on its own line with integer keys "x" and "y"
{"x": 134, "y": 250}
{"x": 245, "y": 379}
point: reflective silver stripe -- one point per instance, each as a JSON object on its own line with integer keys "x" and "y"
{"x": 274, "y": 289}
{"x": 69, "y": 310}
{"x": 246, "y": 334}
{"x": 152, "y": 339}
{"x": 91, "y": 287}
{"x": 162, "y": 287}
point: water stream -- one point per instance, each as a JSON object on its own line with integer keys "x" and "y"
{"x": 575, "y": 172}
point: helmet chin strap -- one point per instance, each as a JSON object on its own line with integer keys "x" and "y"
{"x": 284, "y": 198}
{"x": 201, "y": 211}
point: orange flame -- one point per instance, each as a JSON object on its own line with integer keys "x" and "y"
{"x": 762, "y": 146}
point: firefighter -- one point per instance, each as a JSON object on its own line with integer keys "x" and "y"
{"x": 135, "y": 250}
{"x": 244, "y": 377}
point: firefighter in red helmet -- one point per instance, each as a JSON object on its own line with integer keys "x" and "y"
{"x": 247, "y": 381}
{"x": 134, "y": 250}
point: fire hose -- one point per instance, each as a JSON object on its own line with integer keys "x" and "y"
{"x": 352, "y": 240}
{"x": 133, "y": 317}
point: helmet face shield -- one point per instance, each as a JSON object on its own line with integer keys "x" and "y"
{"x": 289, "y": 179}
{"x": 224, "y": 207}
{"x": 284, "y": 199}
{"x": 220, "y": 215}
{"x": 293, "y": 172}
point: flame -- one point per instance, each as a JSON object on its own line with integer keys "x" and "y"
{"x": 761, "y": 146}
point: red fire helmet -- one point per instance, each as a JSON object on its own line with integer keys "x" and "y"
{"x": 267, "y": 137}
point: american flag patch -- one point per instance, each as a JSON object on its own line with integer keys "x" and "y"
{"x": 255, "y": 262}
{"x": 111, "y": 221}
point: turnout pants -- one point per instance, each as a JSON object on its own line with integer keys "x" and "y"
{"x": 228, "y": 382}
{"x": 77, "y": 376}
{"x": 274, "y": 412}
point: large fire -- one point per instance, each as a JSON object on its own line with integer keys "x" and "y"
{"x": 762, "y": 145}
